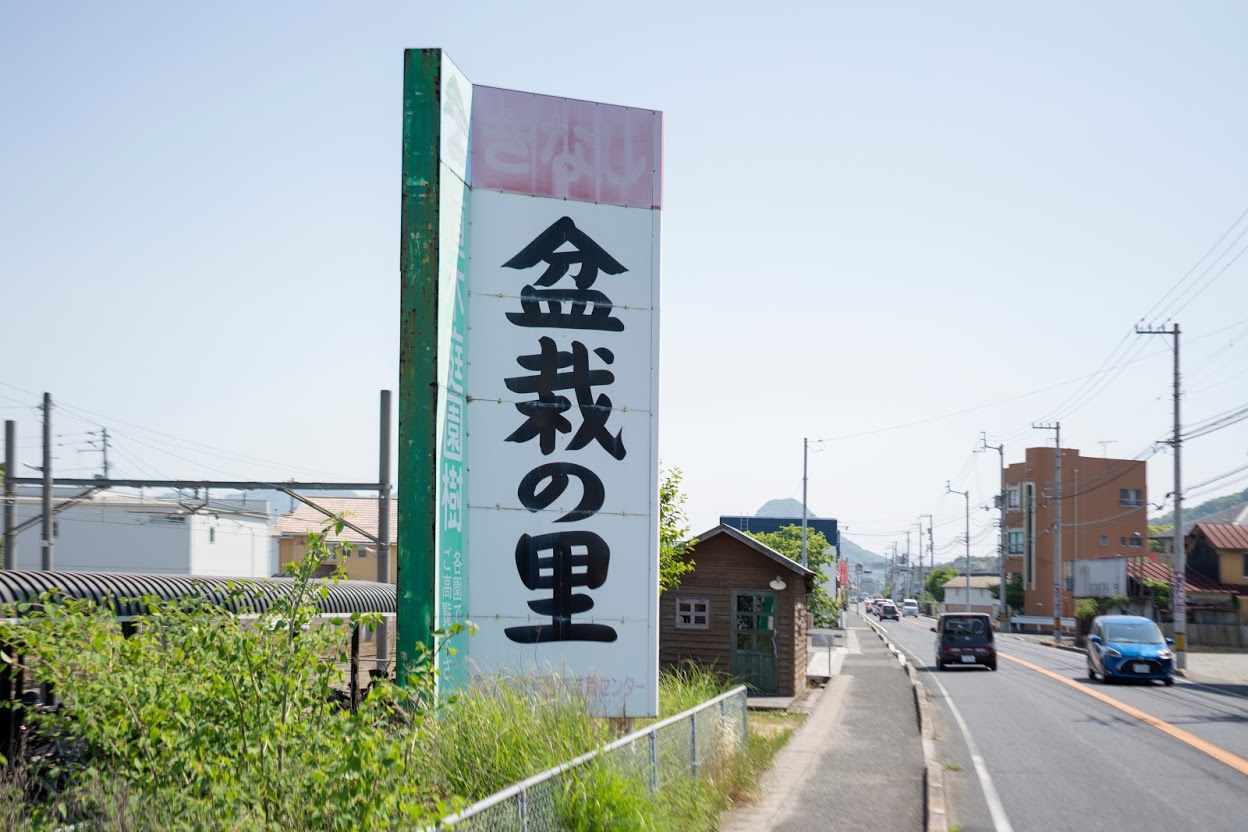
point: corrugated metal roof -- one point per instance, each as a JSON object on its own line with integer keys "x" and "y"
{"x": 362, "y": 511}
{"x": 123, "y": 590}
{"x": 1225, "y": 535}
{"x": 1144, "y": 569}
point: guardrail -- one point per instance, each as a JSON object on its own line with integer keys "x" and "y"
{"x": 676, "y": 747}
{"x": 1017, "y": 621}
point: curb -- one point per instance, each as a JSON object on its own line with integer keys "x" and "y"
{"x": 934, "y": 810}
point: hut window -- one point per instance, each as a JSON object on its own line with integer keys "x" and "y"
{"x": 693, "y": 613}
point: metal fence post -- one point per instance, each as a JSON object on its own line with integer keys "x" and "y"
{"x": 522, "y": 803}
{"x": 693, "y": 736}
{"x": 745, "y": 720}
{"x": 654, "y": 760}
{"x": 719, "y": 726}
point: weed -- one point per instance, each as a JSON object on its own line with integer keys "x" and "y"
{"x": 197, "y": 718}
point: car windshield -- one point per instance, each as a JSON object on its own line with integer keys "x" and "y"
{"x": 1134, "y": 632}
{"x": 964, "y": 625}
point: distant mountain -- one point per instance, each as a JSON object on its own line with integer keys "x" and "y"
{"x": 1225, "y": 508}
{"x": 856, "y": 554}
{"x": 787, "y": 507}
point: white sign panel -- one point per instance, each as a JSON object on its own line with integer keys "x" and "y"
{"x": 562, "y": 461}
{"x": 1100, "y": 578}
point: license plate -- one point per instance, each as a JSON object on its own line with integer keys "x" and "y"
{"x": 1140, "y": 667}
{"x": 968, "y": 659}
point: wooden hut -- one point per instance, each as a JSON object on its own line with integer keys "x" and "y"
{"x": 742, "y": 612}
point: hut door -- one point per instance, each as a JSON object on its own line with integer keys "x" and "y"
{"x": 754, "y": 641}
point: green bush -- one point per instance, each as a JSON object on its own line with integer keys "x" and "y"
{"x": 202, "y": 719}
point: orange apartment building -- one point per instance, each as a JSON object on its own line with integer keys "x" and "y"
{"x": 1104, "y": 514}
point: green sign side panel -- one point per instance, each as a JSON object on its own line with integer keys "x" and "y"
{"x": 453, "y": 517}
{"x": 418, "y": 356}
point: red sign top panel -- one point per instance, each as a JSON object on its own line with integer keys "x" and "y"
{"x": 560, "y": 147}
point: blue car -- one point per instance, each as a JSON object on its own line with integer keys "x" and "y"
{"x": 1129, "y": 647}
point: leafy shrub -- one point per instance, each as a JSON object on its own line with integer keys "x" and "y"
{"x": 203, "y": 719}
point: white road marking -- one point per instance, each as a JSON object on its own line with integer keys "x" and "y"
{"x": 1000, "y": 821}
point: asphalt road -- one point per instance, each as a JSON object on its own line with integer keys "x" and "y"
{"x": 1055, "y": 757}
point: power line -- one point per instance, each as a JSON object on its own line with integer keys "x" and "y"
{"x": 75, "y": 411}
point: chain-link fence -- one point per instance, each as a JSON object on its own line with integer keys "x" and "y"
{"x": 680, "y": 747}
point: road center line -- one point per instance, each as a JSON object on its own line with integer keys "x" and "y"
{"x": 1219, "y": 754}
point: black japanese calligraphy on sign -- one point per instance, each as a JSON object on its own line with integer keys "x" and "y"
{"x": 576, "y": 559}
{"x": 590, "y": 256}
{"x": 544, "y": 416}
{"x": 585, "y": 253}
{"x": 560, "y": 474}
{"x": 563, "y": 561}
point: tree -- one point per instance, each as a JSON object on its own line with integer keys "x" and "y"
{"x": 1154, "y": 530}
{"x": 675, "y": 544}
{"x": 936, "y": 581}
{"x": 1160, "y": 590}
{"x": 788, "y": 542}
{"x": 1013, "y": 593}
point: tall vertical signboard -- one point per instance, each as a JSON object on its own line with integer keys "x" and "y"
{"x": 551, "y": 517}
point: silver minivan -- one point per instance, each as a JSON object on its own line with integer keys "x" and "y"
{"x": 909, "y": 606}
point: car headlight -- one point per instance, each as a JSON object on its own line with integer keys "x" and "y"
{"x": 1163, "y": 654}
{"x": 1112, "y": 653}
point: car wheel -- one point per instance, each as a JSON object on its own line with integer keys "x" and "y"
{"x": 992, "y": 666}
{"x": 1091, "y": 673}
{"x": 940, "y": 665}
{"x": 1169, "y": 681}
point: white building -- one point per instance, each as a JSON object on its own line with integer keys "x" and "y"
{"x": 113, "y": 532}
{"x": 981, "y": 598}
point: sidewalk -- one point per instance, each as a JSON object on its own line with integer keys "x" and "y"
{"x": 857, "y": 762}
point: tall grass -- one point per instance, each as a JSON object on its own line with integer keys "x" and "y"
{"x": 198, "y": 721}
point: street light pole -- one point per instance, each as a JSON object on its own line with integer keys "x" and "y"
{"x": 805, "y": 446}
{"x": 1000, "y": 449}
{"x": 966, "y": 494}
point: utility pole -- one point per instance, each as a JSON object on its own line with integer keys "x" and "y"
{"x": 922, "y": 582}
{"x": 383, "y": 529}
{"x": 1000, "y": 449}
{"x": 805, "y": 446}
{"x": 49, "y": 527}
{"x": 100, "y": 445}
{"x": 967, "y": 495}
{"x": 1056, "y": 427}
{"x": 931, "y": 544}
{"x": 1178, "y": 584}
{"x": 10, "y": 493}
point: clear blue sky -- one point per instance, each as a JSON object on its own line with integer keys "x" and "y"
{"x": 875, "y": 214}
